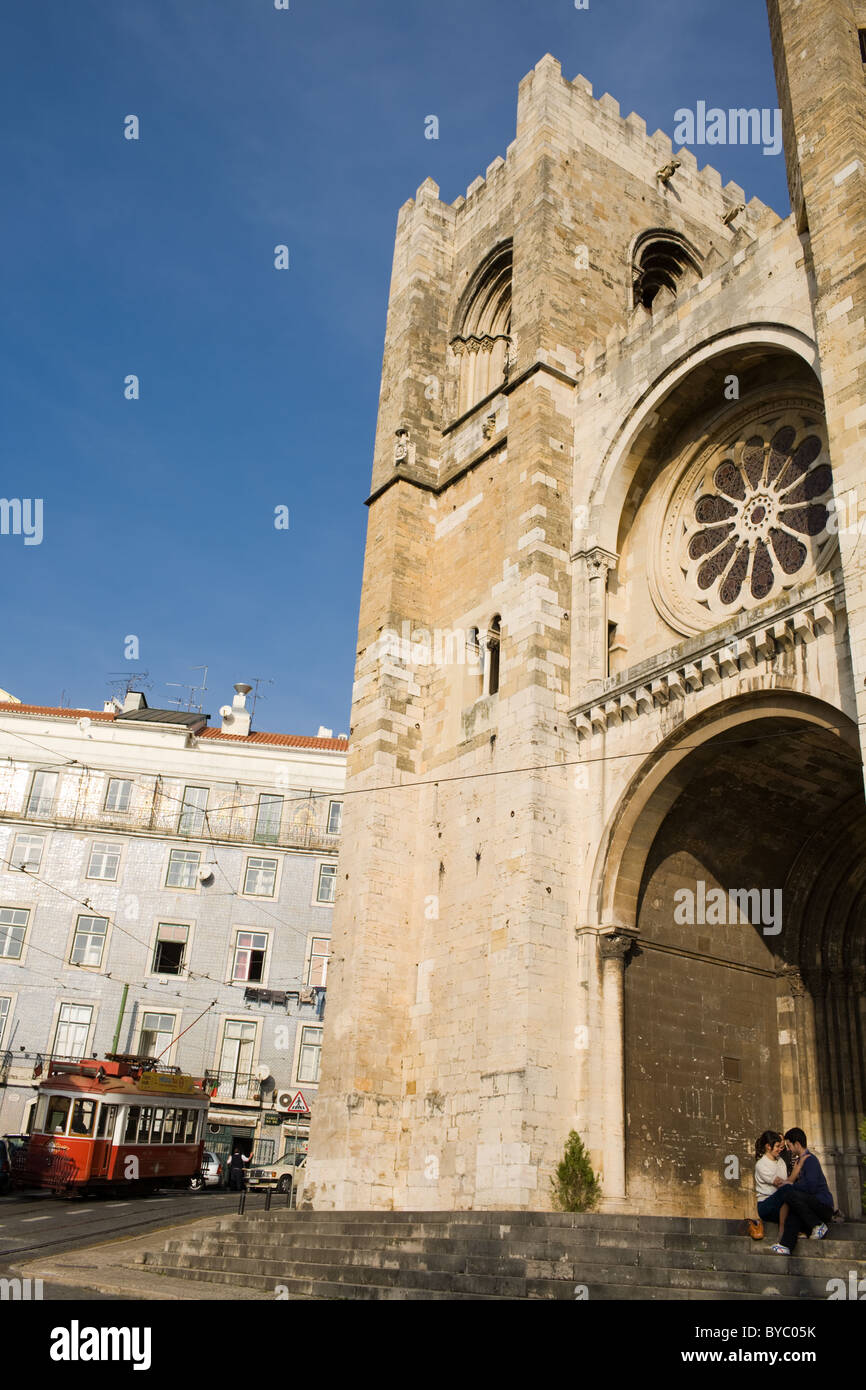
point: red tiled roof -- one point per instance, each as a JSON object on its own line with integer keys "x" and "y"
{"x": 335, "y": 745}
{"x": 8, "y": 707}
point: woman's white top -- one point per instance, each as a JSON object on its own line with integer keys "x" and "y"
{"x": 766, "y": 1169}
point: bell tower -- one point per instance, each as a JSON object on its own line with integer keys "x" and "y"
{"x": 452, "y": 1062}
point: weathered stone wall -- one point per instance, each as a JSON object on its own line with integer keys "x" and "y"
{"x": 494, "y": 851}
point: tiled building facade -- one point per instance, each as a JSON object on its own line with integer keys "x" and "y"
{"x": 155, "y": 869}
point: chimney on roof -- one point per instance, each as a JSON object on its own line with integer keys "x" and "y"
{"x": 112, "y": 706}
{"x": 324, "y": 733}
{"x": 236, "y": 717}
{"x": 134, "y": 700}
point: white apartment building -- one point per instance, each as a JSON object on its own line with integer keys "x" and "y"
{"x": 166, "y": 889}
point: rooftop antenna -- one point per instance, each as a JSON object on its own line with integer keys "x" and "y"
{"x": 257, "y": 681}
{"x": 182, "y": 685}
{"x": 121, "y": 683}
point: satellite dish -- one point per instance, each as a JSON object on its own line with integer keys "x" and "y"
{"x": 263, "y": 1073}
{"x": 205, "y": 873}
{"x": 225, "y": 711}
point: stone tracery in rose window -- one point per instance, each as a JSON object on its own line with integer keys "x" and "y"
{"x": 743, "y": 514}
{"x": 754, "y": 523}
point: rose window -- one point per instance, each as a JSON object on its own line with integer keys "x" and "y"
{"x": 753, "y": 528}
{"x": 742, "y": 514}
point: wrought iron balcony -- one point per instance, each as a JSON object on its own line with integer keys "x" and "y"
{"x": 232, "y": 1085}
{"x": 303, "y": 823}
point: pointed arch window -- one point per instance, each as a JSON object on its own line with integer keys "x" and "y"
{"x": 481, "y": 341}
{"x": 662, "y": 263}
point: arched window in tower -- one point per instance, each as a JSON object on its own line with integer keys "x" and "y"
{"x": 481, "y": 341}
{"x": 662, "y": 263}
{"x": 493, "y": 645}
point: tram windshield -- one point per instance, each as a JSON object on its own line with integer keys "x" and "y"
{"x": 58, "y": 1114}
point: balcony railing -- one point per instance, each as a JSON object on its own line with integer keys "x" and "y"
{"x": 303, "y": 826}
{"x": 232, "y": 1085}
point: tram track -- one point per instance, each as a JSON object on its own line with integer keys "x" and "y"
{"x": 97, "y": 1224}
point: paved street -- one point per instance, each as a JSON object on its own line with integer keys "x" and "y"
{"x": 38, "y": 1224}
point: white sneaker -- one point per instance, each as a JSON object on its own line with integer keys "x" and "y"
{"x": 780, "y": 1250}
{"x": 819, "y": 1232}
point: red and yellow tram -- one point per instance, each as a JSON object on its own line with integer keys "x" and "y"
{"x": 115, "y": 1126}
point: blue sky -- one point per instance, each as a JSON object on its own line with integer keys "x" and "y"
{"x": 258, "y": 388}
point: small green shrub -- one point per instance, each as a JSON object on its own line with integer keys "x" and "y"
{"x": 575, "y": 1187}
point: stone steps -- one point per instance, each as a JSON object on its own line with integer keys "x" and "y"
{"x": 501, "y": 1255}
{"x": 591, "y": 1245}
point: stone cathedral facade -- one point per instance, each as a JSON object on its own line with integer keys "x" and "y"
{"x": 604, "y": 861}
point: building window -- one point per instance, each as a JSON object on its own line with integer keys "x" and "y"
{"x": 662, "y": 260}
{"x": 494, "y": 638}
{"x": 260, "y": 877}
{"x": 317, "y": 972}
{"x": 268, "y": 818}
{"x": 250, "y": 950}
{"x": 335, "y": 817}
{"x": 27, "y": 852}
{"x": 239, "y": 1040}
{"x": 482, "y": 342}
{"x": 13, "y": 925}
{"x": 104, "y": 860}
{"x": 73, "y": 1029}
{"x": 310, "y": 1056}
{"x": 42, "y": 794}
{"x": 118, "y": 795}
{"x": 327, "y": 883}
{"x": 5, "y": 1009}
{"x": 89, "y": 942}
{"x": 191, "y": 820}
{"x": 157, "y": 1031}
{"x": 170, "y": 949}
{"x": 182, "y": 868}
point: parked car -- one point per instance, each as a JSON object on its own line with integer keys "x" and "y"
{"x": 211, "y": 1172}
{"x": 277, "y": 1175}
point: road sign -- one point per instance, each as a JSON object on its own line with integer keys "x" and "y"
{"x": 299, "y": 1106}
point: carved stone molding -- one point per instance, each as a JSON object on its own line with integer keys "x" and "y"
{"x": 738, "y": 652}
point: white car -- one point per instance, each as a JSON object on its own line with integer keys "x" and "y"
{"x": 211, "y": 1172}
{"x": 277, "y": 1175}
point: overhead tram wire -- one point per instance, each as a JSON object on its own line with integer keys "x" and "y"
{"x": 470, "y": 776}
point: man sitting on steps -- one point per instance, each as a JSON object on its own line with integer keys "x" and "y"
{"x": 809, "y": 1199}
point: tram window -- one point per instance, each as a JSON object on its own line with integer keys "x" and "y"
{"x": 83, "y": 1115}
{"x": 179, "y": 1126}
{"x": 189, "y": 1136}
{"x": 168, "y": 1127}
{"x": 58, "y": 1114}
{"x": 131, "y": 1125}
{"x": 107, "y": 1117}
{"x": 40, "y": 1114}
{"x": 144, "y": 1124}
{"x": 156, "y": 1132}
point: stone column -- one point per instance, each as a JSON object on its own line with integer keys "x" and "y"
{"x": 598, "y": 563}
{"x": 614, "y": 946}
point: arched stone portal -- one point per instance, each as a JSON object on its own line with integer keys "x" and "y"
{"x": 743, "y": 1013}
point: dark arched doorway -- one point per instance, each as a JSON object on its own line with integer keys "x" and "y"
{"x": 748, "y": 1012}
